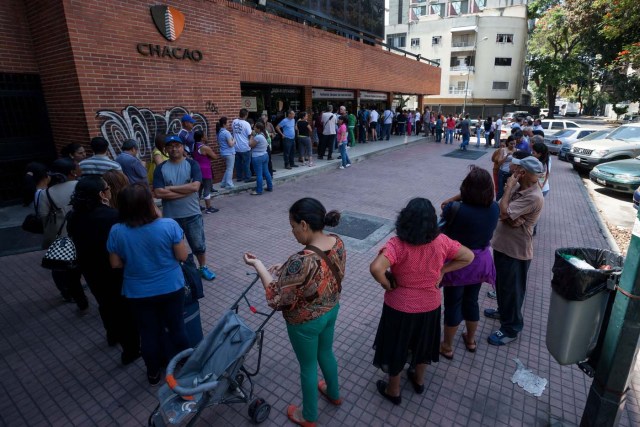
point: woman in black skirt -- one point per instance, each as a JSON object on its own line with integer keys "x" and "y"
{"x": 409, "y": 329}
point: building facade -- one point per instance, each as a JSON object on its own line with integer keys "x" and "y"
{"x": 479, "y": 44}
{"x": 73, "y": 70}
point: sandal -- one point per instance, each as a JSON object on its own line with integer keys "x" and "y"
{"x": 446, "y": 354}
{"x": 418, "y": 388}
{"x": 471, "y": 347}
{"x": 322, "y": 388}
{"x": 295, "y": 416}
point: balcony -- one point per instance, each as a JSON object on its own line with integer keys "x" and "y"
{"x": 461, "y": 69}
{"x": 461, "y": 46}
{"x": 460, "y": 92}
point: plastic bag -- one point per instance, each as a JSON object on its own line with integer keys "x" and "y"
{"x": 577, "y": 284}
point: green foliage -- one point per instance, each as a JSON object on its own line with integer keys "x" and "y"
{"x": 620, "y": 110}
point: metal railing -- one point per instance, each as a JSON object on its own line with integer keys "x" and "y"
{"x": 319, "y": 20}
{"x": 456, "y": 91}
{"x": 462, "y": 68}
{"x": 461, "y": 44}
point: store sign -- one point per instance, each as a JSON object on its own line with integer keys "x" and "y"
{"x": 287, "y": 90}
{"x": 373, "y": 96}
{"x": 331, "y": 94}
{"x": 170, "y": 23}
{"x": 250, "y": 103}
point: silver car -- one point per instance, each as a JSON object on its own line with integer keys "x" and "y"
{"x": 566, "y": 145}
{"x": 554, "y": 142}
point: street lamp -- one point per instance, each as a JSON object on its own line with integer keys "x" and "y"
{"x": 466, "y": 88}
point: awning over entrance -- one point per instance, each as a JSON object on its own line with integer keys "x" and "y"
{"x": 464, "y": 29}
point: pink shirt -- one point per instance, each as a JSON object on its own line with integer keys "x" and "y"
{"x": 203, "y": 161}
{"x": 417, "y": 270}
{"x": 342, "y": 133}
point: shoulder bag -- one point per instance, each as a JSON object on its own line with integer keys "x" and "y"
{"x": 330, "y": 264}
{"x": 445, "y": 223}
{"x": 62, "y": 254}
{"x": 33, "y": 222}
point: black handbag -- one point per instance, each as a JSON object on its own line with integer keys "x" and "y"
{"x": 33, "y": 222}
{"x": 445, "y": 223}
{"x": 62, "y": 254}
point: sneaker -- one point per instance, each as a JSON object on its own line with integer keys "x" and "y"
{"x": 206, "y": 273}
{"x": 211, "y": 210}
{"x": 348, "y": 164}
{"x": 499, "y": 338}
{"x": 341, "y": 167}
{"x": 492, "y": 295}
{"x": 492, "y": 313}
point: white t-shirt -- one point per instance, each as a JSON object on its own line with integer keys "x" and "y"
{"x": 417, "y": 116}
{"x": 499, "y": 125}
{"x": 388, "y": 117}
{"x": 329, "y": 122}
{"x": 374, "y": 116}
{"x": 241, "y": 131}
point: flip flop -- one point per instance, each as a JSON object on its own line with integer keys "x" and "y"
{"x": 322, "y": 388}
{"x": 471, "y": 347}
{"x": 447, "y": 355}
{"x": 295, "y": 417}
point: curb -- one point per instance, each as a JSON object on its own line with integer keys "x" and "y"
{"x": 601, "y": 224}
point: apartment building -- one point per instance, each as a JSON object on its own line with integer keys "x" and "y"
{"x": 480, "y": 46}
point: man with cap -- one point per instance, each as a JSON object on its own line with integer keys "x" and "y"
{"x": 177, "y": 182}
{"x": 132, "y": 167}
{"x": 512, "y": 243}
{"x": 186, "y": 133}
{"x": 100, "y": 162}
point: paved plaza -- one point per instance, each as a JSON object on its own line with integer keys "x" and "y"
{"x": 57, "y": 369}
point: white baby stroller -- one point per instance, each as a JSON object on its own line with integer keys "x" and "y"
{"x": 213, "y": 372}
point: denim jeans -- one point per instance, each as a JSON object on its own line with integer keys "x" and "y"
{"x": 449, "y": 137}
{"x": 461, "y": 302}
{"x": 312, "y": 343}
{"x": 288, "y": 151}
{"x": 305, "y": 149}
{"x": 343, "y": 153}
{"x": 511, "y": 287}
{"x": 386, "y": 131}
{"x": 438, "y": 135}
{"x": 497, "y": 137}
{"x": 243, "y": 166}
{"x": 465, "y": 141}
{"x": 487, "y": 137}
{"x": 152, "y": 315}
{"x": 402, "y": 126}
{"x": 478, "y": 136}
{"x": 261, "y": 166}
{"x": 227, "y": 178}
{"x": 193, "y": 228}
{"x": 362, "y": 134}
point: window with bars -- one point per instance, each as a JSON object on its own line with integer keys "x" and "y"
{"x": 436, "y": 40}
{"x": 415, "y": 42}
{"x": 397, "y": 40}
{"x": 500, "y": 86}
{"x": 504, "y": 38}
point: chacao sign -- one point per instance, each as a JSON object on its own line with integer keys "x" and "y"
{"x": 170, "y": 23}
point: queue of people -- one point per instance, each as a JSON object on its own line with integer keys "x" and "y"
{"x": 129, "y": 253}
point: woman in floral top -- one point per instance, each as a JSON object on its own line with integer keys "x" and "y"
{"x": 307, "y": 292}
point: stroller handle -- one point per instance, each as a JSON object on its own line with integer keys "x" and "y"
{"x": 185, "y": 392}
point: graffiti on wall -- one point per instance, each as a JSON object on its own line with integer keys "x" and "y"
{"x": 142, "y": 125}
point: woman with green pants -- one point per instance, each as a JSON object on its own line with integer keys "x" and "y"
{"x": 307, "y": 291}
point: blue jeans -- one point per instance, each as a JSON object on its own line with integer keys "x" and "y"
{"x": 461, "y": 302}
{"x": 511, "y": 287}
{"x": 193, "y": 228}
{"x": 243, "y": 166}
{"x": 362, "y": 134}
{"x": 152, "y": 315}
{"x": 312, "y": 343}
{"x": 386, "y": 131}
{"x": 487, "y": 137}
{"x": 261, "y": 166}
{"x": 227, "y": 178}
{"x": 478, "y": 136}
{"x": 288, "y": 151}
{"x": 465, "y": 141}
{"x": 343, "y": 153}
{"x": 402, "y": 128}
{"x": 448, "y": 139}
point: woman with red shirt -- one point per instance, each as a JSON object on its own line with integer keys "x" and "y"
{"x": 410, "y": 323}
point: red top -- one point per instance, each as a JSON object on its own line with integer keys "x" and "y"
{"x": 417, "y": 270}
{"x": 451, "y": 123}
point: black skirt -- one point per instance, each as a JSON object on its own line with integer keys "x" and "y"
{"x": 402, "y": 338}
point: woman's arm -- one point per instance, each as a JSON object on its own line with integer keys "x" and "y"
{"x": 157, "y": 159}
{"x": 115, "y": 260}
{"x": 456, "y": 198}
{"x": 377, "y": 269}
{"x": 252, "y": 141}
{"x": 180, "y": 251}
{"x": 207, "y": 151}
{"x": 462, "y": 258}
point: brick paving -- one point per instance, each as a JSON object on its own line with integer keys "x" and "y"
{"x": 57, "y": 369}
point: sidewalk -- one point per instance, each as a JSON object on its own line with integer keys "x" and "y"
{"x": 58, "y": 370}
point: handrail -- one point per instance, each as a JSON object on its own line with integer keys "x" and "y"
{"x": 297, "y": 12}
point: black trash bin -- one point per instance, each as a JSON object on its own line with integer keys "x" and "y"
{"x": 578, "y": 302}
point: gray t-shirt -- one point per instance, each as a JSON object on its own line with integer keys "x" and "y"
{"x": 183, "y": 172}
{"x": 261, "y": 147}
{"x": 464, "y": 127}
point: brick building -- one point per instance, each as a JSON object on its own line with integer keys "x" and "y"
{"x": 72, "y": 70}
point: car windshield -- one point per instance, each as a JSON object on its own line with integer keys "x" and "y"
{"x": 595, "y": 135}
{"x": 626, "y": 133}
{"x": 566, "y": 132}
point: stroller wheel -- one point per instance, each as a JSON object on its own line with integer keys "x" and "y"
{"x": 259, "y": 410}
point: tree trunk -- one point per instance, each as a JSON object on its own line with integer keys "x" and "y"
{"x": 552, "y": 91}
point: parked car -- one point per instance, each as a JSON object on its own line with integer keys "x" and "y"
{"x": 621, "y": 175}
{"x": 544, "y": 112}
{"x": 636, "y": 198}
{"x": 566, "y": 145}
{"x": 622, "y": 143}
{"x": 554, "y": 142}
{"x": 511, "y": 116}
{"x": 549, "y": 127}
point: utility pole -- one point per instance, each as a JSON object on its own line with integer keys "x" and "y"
{"x": 608, "y": 391}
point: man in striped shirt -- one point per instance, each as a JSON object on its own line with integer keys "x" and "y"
{"x": 100, "y": 162}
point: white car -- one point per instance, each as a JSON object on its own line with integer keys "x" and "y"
{"x": 544, "y": 112}
{"x": 550, "y": 127}
{"x": 622, "y": 143}
{"x": 554, "y": 142}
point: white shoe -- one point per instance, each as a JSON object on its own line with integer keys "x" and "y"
{"x": 348, "y": 164}
{"x": 341, "y": 167}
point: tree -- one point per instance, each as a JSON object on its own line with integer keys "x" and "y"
{"x": 620, "y": 22}
{"x": 553, "y": 49}
{"x": 620, "y": 110}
